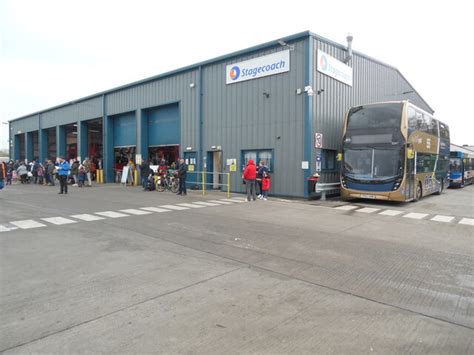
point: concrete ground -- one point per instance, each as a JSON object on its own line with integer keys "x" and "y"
{"x": 233, "y": 277}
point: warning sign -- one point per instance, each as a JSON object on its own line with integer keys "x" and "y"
{"x": 318, "y": 140}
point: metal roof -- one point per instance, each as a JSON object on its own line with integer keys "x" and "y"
{"x": 288, "y": 39}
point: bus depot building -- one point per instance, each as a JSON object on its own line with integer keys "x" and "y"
{"x": 283, "y": 102}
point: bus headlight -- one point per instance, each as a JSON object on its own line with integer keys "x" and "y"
{"x": 397, "y": 184}
{"x": 343, "y": 182}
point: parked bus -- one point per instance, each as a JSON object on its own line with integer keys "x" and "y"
{"x": 393, "y": 151}
{"x": 461, "y": 166}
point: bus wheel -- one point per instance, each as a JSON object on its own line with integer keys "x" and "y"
{"x": 419, "y": 192}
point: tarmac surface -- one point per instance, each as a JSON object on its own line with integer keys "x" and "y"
{"x": 117, "y": 270}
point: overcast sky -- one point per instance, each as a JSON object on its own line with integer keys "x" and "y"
{"x": 56, "y": 51}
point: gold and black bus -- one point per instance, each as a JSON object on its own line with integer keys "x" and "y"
{"x": 393, "y": 151}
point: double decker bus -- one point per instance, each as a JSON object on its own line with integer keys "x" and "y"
{"x": 393, "y": 151}
{"x": 461, "y": 166}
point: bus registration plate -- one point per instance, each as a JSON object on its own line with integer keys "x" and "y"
{"x": 369, "y": 196}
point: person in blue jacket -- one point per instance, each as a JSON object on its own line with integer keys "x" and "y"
{"x": 63, "y": 172}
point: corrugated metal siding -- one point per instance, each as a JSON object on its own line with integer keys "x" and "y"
{"x": 26, "y": 124}
{"x": 239, "y": 117}
{"x": 372, "y": 82}
{"x": 162, "y": 92}
{"x": 80, "y": 111}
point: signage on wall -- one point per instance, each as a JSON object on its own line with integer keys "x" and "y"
{"x": 260, "y": 67}
{"x": 318, "y": 140}
{"x": 334, "y": 68}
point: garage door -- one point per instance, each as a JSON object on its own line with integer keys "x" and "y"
{"x": 164, "y": 126}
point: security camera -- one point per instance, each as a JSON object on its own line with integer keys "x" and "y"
{"x": 309, "y": 90}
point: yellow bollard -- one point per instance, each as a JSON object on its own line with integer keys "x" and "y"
{"x": 203, "y": 184}
{"x": 101, "y": 176}
{"x": 97, "y": 176}
{"x": 228, "y": 185}
{"x": 135, "y": 178}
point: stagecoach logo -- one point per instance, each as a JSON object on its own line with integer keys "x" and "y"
{"x": 428, "y": 143}
{"x": 334, "y": 68}
{"x": 259, "y": 67}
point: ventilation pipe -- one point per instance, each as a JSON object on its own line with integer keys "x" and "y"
{"x": 349, "y": 48}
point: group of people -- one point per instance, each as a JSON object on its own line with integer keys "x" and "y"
{"x": 46, "y": 172}
{"x": 254, "y": 176}
{"x": 164, "y": 171}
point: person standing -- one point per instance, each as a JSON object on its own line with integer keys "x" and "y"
{"x": 87, "y": 168}
{"x": 260, "y": 171}
{"x": 22, "y": 172}
{"x": 10, "y": 172}
{"x": 182, "y": 170}
{"x": 265, "y": 185}
{"x": 75, "y": 172}
{"x": 63, "y": 172}
{"x": 249, "y": 176}
{"x": 3, "y": 174}
{"x": 144, "y": 172}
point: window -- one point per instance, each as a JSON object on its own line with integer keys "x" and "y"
{"x": 328, "y": 162}
{"x": 411, "y": 119}
{"x": 425, "y": 163}
{"x": 258, "y": 155}
{"x": 443, "y": 131}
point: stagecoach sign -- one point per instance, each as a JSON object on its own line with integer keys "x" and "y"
{"x": 334, "y": 68}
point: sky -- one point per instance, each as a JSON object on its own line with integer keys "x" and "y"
{"x": 52, "y": 52}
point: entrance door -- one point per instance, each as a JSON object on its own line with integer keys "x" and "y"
{"x": 410, "y": 182}
{"x": 214, "y": 169}
{"x": 192, "y": 178}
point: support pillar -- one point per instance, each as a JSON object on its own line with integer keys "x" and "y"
{"x": 142, "y": 134}
{"x": 82, "y": 151}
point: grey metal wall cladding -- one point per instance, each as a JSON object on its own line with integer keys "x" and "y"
{"x": 239, "y": 117}
{"x": 26, "y": 124}
{"x": 372, "y": 82}
{"x": 80, "y": 111}
{"x": 162, "y": 92}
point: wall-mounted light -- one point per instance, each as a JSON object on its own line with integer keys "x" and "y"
{"x": 266, "y": 94}
{"x": 309, "y": 90}
{"x": 189, "y": 148}
{"x": 299, "y": 91}
{"x": 213, "y": 147}
{"x": 320, "y": 91}
{"x": 192, "y": 85}
{"x": 284, "y": 44}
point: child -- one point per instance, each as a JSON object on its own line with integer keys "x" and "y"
{"x": 265, "y": 185}
{"x": 82, "y": 175}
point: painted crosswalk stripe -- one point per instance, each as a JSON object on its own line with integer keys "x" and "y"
{"x": 154, "y": 209}
{"x": 368, "y": 210}
{"x": 220, "y": 202}
{"x": 206, "y": 203}
{"x": 190, "y": 205}
{"x": 242, "y": 199}
{"x": 28, "y": 224}
{"x": 347, "y": 207}
{"x": 232, "y": 200}
{"x": 445, "y": 219}
{"x": 87, "y": 217}
{"x": 58, "y": 220}
{"x": 135, "y": 211}
{"x": 176, "y": 208}
{"x": 467, "y": 221}
{"x": 391, "y": 213}
{"x": 414, "y": 215}
{"x": 4, "y": 229}
{"x": 112, "y": 214}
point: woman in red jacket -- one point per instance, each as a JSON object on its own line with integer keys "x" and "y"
{"x": 249, "y": 176}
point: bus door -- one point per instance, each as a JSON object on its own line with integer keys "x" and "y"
{"x": 410, "y": 185}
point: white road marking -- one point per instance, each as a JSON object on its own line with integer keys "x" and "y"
{"x": 445, "y": 219}
{"x": 154, "y": 209}
{"x": 87, "y": 217}
{"x": 368, "y": 210}
{"x": 58, "y": 220}
{"x": 176, "y": 208}
{"x": 391, "y": 213}
{"x": 242, "y": 199}
{"x": 112, "y": 214}
{"x": 190, "y": 205}
{"x": 232, "y": 200}
{"x": 135, "y": 211}
{"x": 414, "y": 215}
{"x": 347, "y": 207}
{"x": 28, "y": 224}
{"x": 467, "y": 221}
{"x": 207, "y": 203}
{"x": 4, "y": 229}
{"x": 220, "y": 202}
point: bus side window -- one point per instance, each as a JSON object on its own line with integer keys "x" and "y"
{"x": 411, "y": 119}
{"x": 420, "y": 122}
{"x": 432, "y": 126}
